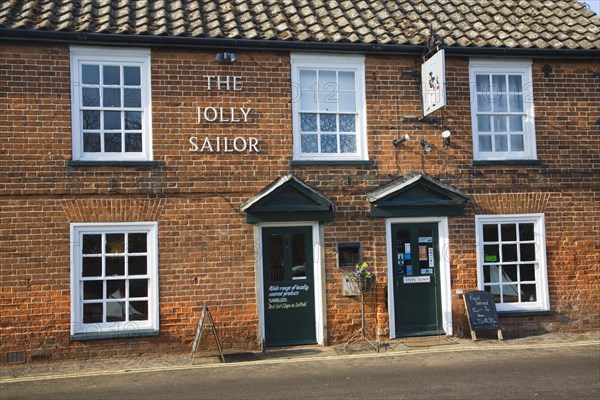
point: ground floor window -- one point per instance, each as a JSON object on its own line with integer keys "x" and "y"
{"x": 511, "y": 259}
{"x": 114, "y": 278}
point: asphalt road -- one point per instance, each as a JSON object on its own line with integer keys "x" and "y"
{"x": 570, "y": 372}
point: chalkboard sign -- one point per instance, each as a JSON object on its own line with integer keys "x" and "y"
{"x": 481, "y": 312}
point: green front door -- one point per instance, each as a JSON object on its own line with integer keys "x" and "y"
{"x": 288, "y": 286}
{"x": 416, "y": 279}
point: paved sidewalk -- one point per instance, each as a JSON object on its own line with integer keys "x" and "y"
{"x": 115, "y": 365}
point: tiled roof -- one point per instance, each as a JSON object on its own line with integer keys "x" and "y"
{"x": 528, "y": 24}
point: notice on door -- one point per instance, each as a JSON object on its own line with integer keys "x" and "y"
{"x": 416, "y": 279}
{"x": 282, "y": 297}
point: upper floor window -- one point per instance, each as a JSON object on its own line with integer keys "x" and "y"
{"x": 502, "y": 110}
{"x": 511, "y": 260}
{"x": 329, "y": 107}
{"x": 111, "y": 104}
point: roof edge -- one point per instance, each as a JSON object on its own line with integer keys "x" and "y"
{"x": 278, "y": 45}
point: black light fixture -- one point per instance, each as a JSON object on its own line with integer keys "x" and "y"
{"x": 398, "y": 142}
{"x": 226, "y": 57}
{"x": 426, "y": 146}
{"x": 446, "y": 138}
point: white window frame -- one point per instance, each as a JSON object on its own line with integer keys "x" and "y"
{"x": 116, "y": 328}
{"x": 505, "y": 67}
{"x": 355, "y": 63}
{"x": 119, "y": 57}
{"x": 542, "y": 302}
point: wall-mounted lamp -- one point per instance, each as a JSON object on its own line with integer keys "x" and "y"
{"x": 446, "y": 138}
{"x": 398, "y": 142}
{"x": 426, "y": 145}
{"x": 226, "y": 57}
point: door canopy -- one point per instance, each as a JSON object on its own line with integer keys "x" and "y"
{"x": 288, "y": 199}
{"x": 416, "y": 195}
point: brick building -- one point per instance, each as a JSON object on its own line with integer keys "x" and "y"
{"x": 157, "y": 156}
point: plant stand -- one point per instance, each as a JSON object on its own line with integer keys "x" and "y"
{"x": 362, "y": 335}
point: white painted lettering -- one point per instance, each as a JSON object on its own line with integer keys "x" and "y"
{"x": 238, "y": 148}
{"x": 214, "y": 112}
{"x": 233, "y": 119}
{"x": 253, "y": 145}
{"x": 235, "y": 83}
{"x": 208, "y": 79}
{"x": 245, "y": 114}
{"x": 206, "y": 145}
{"x": 222, "y": 119}
{"x": 194, "y": 143}
{"x": 226, "y": 148}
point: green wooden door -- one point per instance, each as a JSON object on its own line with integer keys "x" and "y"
{"x": 288, "y": 286}
{"x": 416, "y": 279}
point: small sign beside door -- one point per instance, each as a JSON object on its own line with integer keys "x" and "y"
{"x": 416, "y": 279}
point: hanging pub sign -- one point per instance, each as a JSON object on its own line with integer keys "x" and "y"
{"x": 433, "y": 78}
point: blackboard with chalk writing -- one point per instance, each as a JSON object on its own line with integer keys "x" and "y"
{"x": 481, "y": 310}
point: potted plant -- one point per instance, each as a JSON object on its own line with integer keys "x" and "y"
{"x": 365, "y": 278}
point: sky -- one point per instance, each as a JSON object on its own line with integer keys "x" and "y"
{"x": 594, "y": 5}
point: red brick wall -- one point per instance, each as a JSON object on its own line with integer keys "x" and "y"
{"x": 206, "y": 249}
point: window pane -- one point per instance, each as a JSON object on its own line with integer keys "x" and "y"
{"x": 346, "y": 80}
{"x": 308, "y": 122}
{"x": 112, "y": 97}
{"x": 112, "y": 120}
{"x": 516, "y": 102}
{"x": 347, "y": 102}
{"x": 136, "y": 243}
{"x": 500, "y": 103}
{"x": 298, "y": 256}
{"x": 138, "y": 310}
{"x": 500, "y": 143}
{"x": 527, "y": 251}
{"x": 526, "y": 231}
{"x": 138, "y": 288}
{"x": 528, "y": 293}
{"x": 111, "y": 75}
{"x": 137, "y": 265}
{"x": 347, "y": 123}
{"x": 92, "y": 313}
{"x": 510, "y": 293}
{"x": 348, "y": 143}
{"x": 509, "y": 273}
{"x": 484, "y": 103}
{"x": 495, "y": 290}
{"x": 308, "y": 78}
{"x": 115, "y": 289}
{"x": 91, "y": 119}
{"x": 516, "y": 143}
{"x": 328, "y": 122}
{"x": 490, "y": 233}
{"x": 92, "y": 244}
{"x": 90, "y": 97}
{"x": 527, "y": 272}
{"x": 112, "y": 142}
{"x": 509, "y": 252}
{"x": 308, "y": 101}
{"x": 485, "y": 143}
{"x": 491, "y": 253}
{"x": 91, "y": 266}
{"x": 133, "y": 142}
{"x": 133, "y": 120}
{"x": 309, "y": 143}
{"x": 90, "y": 74}
{"x": 93, "y": 290}
{"x": 133, "y": 98}
{"x": 493, "y": 273}
{"x": 115, "y": 243}
{"x": 115, "y": 311}
{"x": 276, "y": 257}
{"x": 515, "y": 83}
{"x": 132, "y": 76}
{"x": 328, "y": 144}
{"x": 115, "y": 266}
{"x": 483, "y": 123}
{"x": 508, "y": 232}
{"x": 516, "y": 123}
{"x": 483, "y": 83}
{"x": 499, "y": 83}
{"x": 500, "y": 124}
{"x": 327, "y": 81}
{"x": 91, "y": 142}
